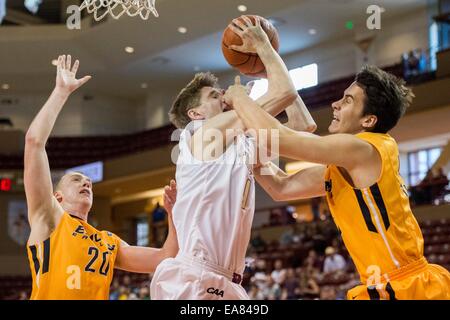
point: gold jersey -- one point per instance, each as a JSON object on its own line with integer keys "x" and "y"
{"x": 75, "y": 262}
{"x": 376, "y": 223}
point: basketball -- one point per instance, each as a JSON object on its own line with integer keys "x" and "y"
{"x": 248, "y": 63}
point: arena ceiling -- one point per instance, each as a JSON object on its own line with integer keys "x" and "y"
{"x": 162, "y": 56}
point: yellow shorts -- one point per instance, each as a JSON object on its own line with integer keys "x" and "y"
{"x": 418, "y": 280}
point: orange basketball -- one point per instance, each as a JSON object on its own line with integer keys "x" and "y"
{"x": 248, "y": 63}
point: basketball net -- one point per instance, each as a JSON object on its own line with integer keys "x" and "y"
{"x": 116, "y": 8}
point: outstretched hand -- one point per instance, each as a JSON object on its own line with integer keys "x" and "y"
{"x": 252, "y": 35}
{"x": 66, "y": 75}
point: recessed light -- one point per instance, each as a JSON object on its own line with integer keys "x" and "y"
{"x": 129, "y": 49}
{"x": 5, "y": 86}
{"x": 242, "y": 8}
{"x": 144, "y": 85}
{"x": 182, "y": 30}
{"x": 276, "y": 22}
{"x": 55, "y": 62}
{"x": 312, "y": 31}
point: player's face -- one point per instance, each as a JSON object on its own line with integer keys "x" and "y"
{"x": 211, "y": 102}
{"x": 347, "y": 112}
{"x": 77, "y": 188}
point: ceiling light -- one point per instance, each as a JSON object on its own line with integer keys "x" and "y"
{"x": 5, "y": 86}
{"x": 182, "y": 30}
{"x": 242, "y": 8}
{"x": 144, "y": 85}
{"x": 55, "y": 62}
{"x": 129, "y": 49}
{"x": 312, "y": 31}
{"x": 276, "y": 22}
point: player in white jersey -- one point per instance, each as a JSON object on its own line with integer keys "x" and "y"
{"x": 214, "y": 208}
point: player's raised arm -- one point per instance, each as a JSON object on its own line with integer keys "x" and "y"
{"x": 37, "y": 178}
{"x": 280, "y": 86}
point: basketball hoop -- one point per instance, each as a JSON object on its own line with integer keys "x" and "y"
{"x": 116, "y": 8}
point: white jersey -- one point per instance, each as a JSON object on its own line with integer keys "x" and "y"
{"x": 213, "y": 213}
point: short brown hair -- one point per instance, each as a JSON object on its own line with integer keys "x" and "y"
{"x": 57, "y": 186}
{"x": 189, "y": 98}
{"x": 387, "y": 97}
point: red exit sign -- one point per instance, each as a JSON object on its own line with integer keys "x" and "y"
{"x": 5, "y": 184}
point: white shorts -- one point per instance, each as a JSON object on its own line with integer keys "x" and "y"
{"x": 186, "y": 278}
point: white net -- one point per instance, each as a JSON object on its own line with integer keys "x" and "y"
{"x": 116, "y": 8}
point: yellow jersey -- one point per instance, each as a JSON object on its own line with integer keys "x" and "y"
{"x": 75, "y": 262}
{"x": 376, "y": 223}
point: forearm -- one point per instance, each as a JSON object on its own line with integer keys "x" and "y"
{"x": 170, "y": 247}
{"x": 280, "y": 83}
{"x": 42, "y": 125}
{"x": 281, "y": 91}
{"x": 271, "y": 179}
{"x": 299, "y": 117}
{"x": 278, "y": 77}
{"x": 139, "y": 259}
{"x": 254, "y": 117}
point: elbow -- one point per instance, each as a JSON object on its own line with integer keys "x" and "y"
{"x": 32, "y": 141}
{"x": 312, "y": 127}
{"x": 277, "y": 198}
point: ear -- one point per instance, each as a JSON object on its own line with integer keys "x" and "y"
{"x": 194, "y": 115}
{"x": 58, "y": 196}
{"x": 369, "y": 122}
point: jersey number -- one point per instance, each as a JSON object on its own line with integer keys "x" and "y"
{"x": 103, "y": 270}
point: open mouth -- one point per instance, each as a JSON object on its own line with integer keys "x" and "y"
{"x": 335, "y": 118}
{"x": 86, "y": 192}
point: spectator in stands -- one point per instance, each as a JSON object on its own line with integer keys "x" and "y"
{"x": 327, "y": 293}
{"x": 287, "y": 237}
{"x": 308, "y": 287}
{"x": 126, "y": 280}
{"x": 144, "y": 293}
{"x": 123, "y": 292}
{"x": 278, "y": 274}
{"x": 413, "y": 63}
{"x": 439, "y": 182}
{"x": 260, "y": 276}
{"x": 275, "y": 218}
{"x": 272, "y": 290}
{"x": 114, "y": 291}
{"x": 288, "y": 215}
{"x": 333, "y": 261}
{"x": 23, "y": 295}
{"x": 258, "y": 243}
{"x": 315, "y": 208}
{"x": 291, "y": 285}
{"x": 312, "y": 260}
{"x": 255, "y": 293}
